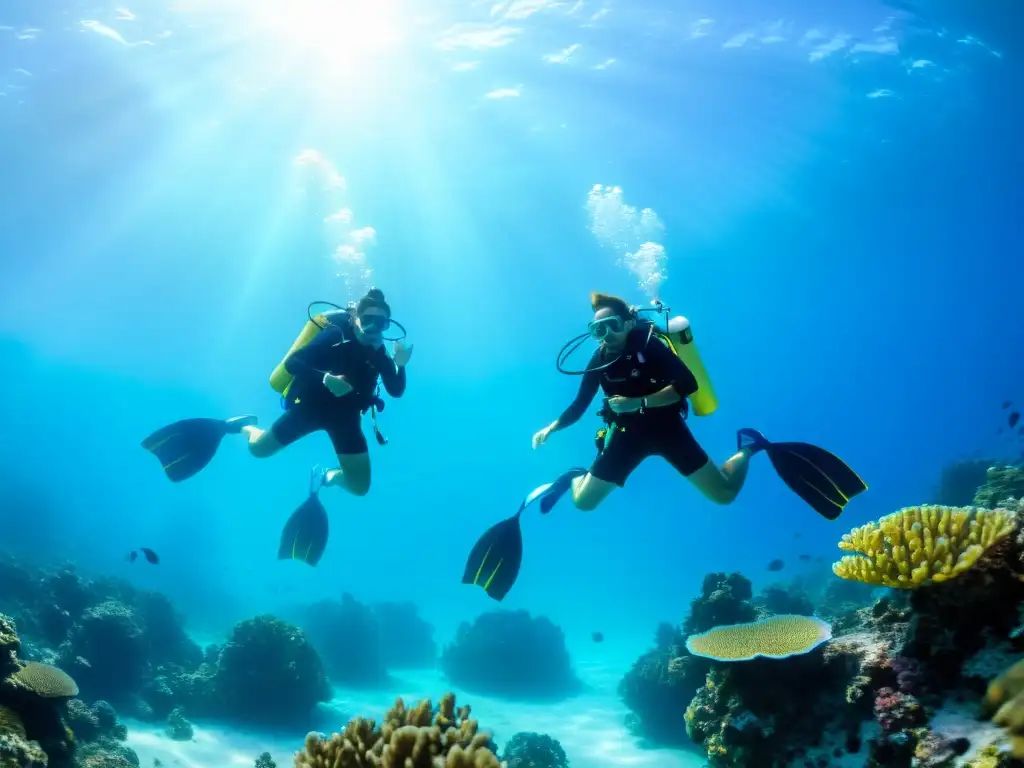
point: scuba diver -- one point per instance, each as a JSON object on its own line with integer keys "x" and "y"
{"x": 648, "y": 375}
{"x": 327, "y": 381}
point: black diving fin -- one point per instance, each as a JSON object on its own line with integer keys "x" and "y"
{"x": 819, "y": 477}
{"x": 185, "y": 447}
{"x": 495, "y": 559}
{"x": 304, "y": 537}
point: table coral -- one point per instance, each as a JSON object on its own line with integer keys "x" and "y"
{"x": 921, "y": 545}
{"x": 776, "y": 637}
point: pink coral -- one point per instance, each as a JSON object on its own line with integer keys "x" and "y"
{"x": 897, "y": 711}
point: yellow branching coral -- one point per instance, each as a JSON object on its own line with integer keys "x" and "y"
{"x": 408, "y": 738}
{"x": 921, "y": 545}
{"x": 777, "y": 637}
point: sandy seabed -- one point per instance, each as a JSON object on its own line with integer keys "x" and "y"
{"x": 589, "y": 726}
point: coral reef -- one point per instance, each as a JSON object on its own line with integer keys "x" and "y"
{"x": 265, "y": 761}
{"x": 768, "y": 712}
{"x": 1003, "y": 484}
{"x": 663, "y": 681}
{"x": 921, "y": 545}
{"x": 511, "y": 654}
{"x": 43, "y": 725}
{"x": 347, "y": 635}
{"x": 407, "y": 738}
{"x": 107, "y": 651}
{"x": 115, "y": 640}
{"x": 406, "y": 639}
{"x": 959, "y": 483}
{"x": 534, "y": 750}
{"x": 724, "y": 599}
{"x": 778, "y": 599}
{"x": 268, "y": 673}
{"x": 178, "y": 728}
{"x": 870, "y": 696}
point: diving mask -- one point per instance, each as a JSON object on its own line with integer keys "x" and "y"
{"x": 601, "y": 328}
{"x": 373, "y": 324}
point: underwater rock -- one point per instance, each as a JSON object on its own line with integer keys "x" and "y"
{"x": 269, "y": 674}
{"x": 534, "y": 750}
{"x": 178, "y": 728}
{"x": 513, "y": 655}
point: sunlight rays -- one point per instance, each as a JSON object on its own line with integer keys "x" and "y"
{"x": 326, "y": 40}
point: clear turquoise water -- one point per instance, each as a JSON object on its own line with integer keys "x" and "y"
{"x": 838, "y": 190}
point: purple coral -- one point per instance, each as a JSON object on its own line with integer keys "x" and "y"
{"x": 908, "y": 675}
{"x": 897, "y": 712}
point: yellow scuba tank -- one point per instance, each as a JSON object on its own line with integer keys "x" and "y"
{"x": 703, "y": 401}
{"x": 280, "y": 379}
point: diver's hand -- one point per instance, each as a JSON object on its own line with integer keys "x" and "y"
{"x": 624, "y": 404}
{"x": 541, "y": 437}
{"x": 337, "y": 385}
{"x": 402, "y": 354}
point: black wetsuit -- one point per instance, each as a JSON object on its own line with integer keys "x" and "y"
{"x": 645, "y": 366}
{"x": 311, "y": 406}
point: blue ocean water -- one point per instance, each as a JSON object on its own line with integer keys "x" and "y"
{"x": 835, "y": 187}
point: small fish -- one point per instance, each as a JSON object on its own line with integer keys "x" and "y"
{"x": 132, "y": 556}
{"x": 805, "y": 558}
{"x": 1006, "y": 404}
{"x": 597, "y": 637}
{"x": 776, "y": 565}
{"x": 151, "y": 556}
{"x": 1014, "y": 418}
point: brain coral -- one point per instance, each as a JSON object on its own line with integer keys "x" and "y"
{"x": 46, "y": 681}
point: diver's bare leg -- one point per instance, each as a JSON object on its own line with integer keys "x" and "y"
{"x": 723, "y": 484}
{"x": 352, "y": 474}
{"x": 588, "y": 492}
{"x": 262, "y": 443}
